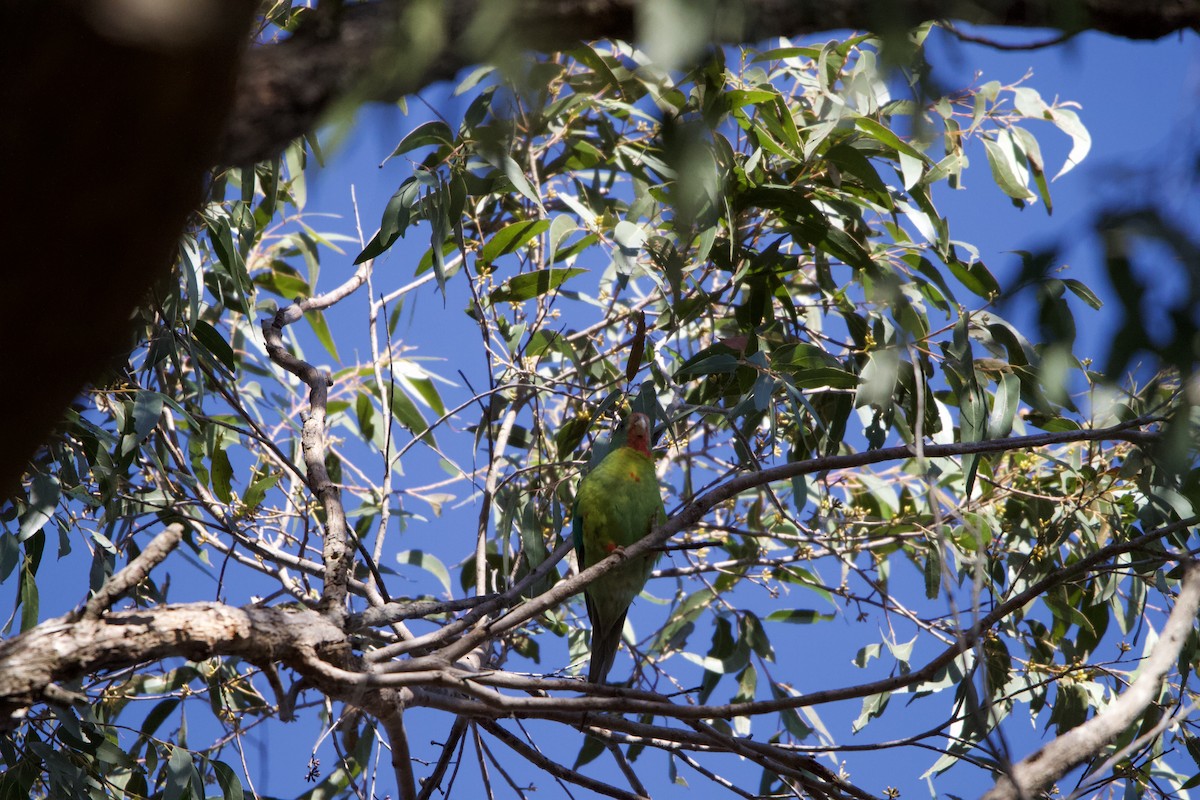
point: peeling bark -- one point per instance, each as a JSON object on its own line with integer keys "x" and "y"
{"x": 61, "y": 650}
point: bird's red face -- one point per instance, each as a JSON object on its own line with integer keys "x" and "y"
{"x": 639, "y": 433}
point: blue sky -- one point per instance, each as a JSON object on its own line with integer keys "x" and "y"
{"x": 1137, "y": 100}
{"x": 1139, "y": 103}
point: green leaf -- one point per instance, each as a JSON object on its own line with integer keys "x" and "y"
{"x": 407, "y": 414}
{"x": 1004, "y": 406}
{"x": 866, "y": 653}
{"x": 592, "y": 749}
{"x": 1033, "y": 157}
{"x": 520, "y": 182}
{"x": 976, "y": 277}
{"x": 316, "y": 318}
{"x": 789, "y": 716}
{"x": 146, "y": 411}
{"x": 10, "y": 554}
{"x": 1029, "y": 103}
{"x": 228, "y": 780}
{"x": 933, "y": 571}
{"x": 44, "y": 494}
{"x": 852, "y": 160}
{"x": 799, "y": 616}
{"x": 972, "y": 406}
{"x": 473, "y": 78}
{"x": 844, "y": 247}
{"x": 1007, "y": 170}
{"x": 157, "y": 716}
{"x": 883, "y": 134}
{"x": 1070, "y": 707}
{"x": 512, "y": 237}
{"x": 428, "y": 562}
{"x": 560, "y": 228}
{"x": 29, "y": 599}
{"x": 179, "y": 772}
{"x": 435, "y": 132}
{"x": 877, "y": 384}
{"x": 293, "y": 156}
{"x": 753, "y": 634}
{"x": 222, "y": 475}
{"x": 1068, "y": 122}
{"x": 428, "y": 392}
{"x": 1083, "y": 292}
{"x": 531, "y": 284}
{"x": 872, "y": 707}
{"x": 215, "y": 343}
{"x": 396, "y": 217}
{"x": 258, "y": 489}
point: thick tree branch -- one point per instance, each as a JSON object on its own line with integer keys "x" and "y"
{"x": 406, "y": 782}
{"x": 62, "y": 650}
{"x": 126, "y": 109}
{"x": 606, "y": 699}
{"x": 1039, "y": 770}
{"x": 285, "y": 87}
{"x": 100, "y": 95}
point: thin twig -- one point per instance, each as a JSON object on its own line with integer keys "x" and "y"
{"x": 1053, "y": 41}
{"x": 453, "y": 739}
{"x": 626, "y": 770}
{"x": 553, "y": 767}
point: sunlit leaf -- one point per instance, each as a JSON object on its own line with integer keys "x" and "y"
{"x": 434, "y": 132}
{"x": 512, "y": 237}
{"x": 532, "y": 284}
{"x": 428, "y": 562}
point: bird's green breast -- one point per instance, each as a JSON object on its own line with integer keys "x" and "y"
{"x": 616, "y": 504}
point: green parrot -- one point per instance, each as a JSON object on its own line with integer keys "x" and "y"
{"x": 617, "y": 503}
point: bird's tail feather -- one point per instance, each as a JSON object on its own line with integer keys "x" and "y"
{"x": 604, "y": 650}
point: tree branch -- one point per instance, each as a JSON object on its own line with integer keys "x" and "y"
{"x": 336, "y": 551}
{"x": 695, "y": 510}
{"x": 134, "y": 572}
{"x": 1038, "y": 771}
{"x": 453, "y": 738}
{"x": 285, "y": 87}
{"x": 62, "y": 649}
{"x": 393, "y": 723}
{"x": 435, "y": 671}
{"x": 552, "y": 767}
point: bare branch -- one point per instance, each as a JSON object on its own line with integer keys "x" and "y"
{"x": 1039, "y": 770}
{"x": 695, "y": 510}
{"x": 399, "y": 610}
{"x": 627, "y": 770}
{"x": 336, "y": 552}
{"x": 553, "y": 767}
{"x": 393, "y": 723}
{"x": 62, "y": 649}
{"x": 434, "y": 782}
{"x": 134, "y": 572}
